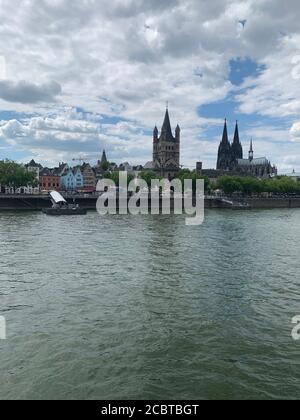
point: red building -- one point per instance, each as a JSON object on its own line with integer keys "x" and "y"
{"x": 49, "y": 180}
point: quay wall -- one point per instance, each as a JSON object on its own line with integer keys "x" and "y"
{"x": 39, "y": 202}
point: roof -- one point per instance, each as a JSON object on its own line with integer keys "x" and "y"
{"x": 56, "y": 172}
{"x": 149, "y": 165}
{"x": 33, "y": 164}
{"x": 255, "y": 162}
{"x": 49, "y": 172}
{"x": 56, "y": 197}
{"x": 45, "y": 172}
{"x": 166, "y": 131}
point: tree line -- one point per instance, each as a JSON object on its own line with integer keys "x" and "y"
{"x": 248, "y": 186}
{"x": 14, "y": 175}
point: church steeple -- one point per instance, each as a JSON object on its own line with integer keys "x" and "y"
{"x": 225, "y": 140}
{"x": 224, "y": 155}
{"x": 155, "y": 133}
{"x": 251, "y": 152}
{"x": 236, "y": 148}
{"x": 166, "y": 149}
{"x": 177, "y": 133}
{"x": 104, "y": 158}
{"x": 236, "y": 139}
{"x": 166, "y": 130}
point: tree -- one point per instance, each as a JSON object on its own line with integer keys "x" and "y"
{"x": 105, "y": 166}
{"x": 148, "y": 176}
{"x": 14, "y": 175}
{"x": 115, "y": 176}
{"x": 229, "y": 184}
{"x": 250, "y": 185}
{"x": 187, "y": 174}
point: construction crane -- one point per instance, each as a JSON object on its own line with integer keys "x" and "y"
{"x": 84, "y": 159}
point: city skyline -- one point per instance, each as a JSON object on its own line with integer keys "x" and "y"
{"x": 97, "y": 77}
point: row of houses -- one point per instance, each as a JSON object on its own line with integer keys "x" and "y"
{"x": 82, "y": 178}
{"x": 65, "y": 178}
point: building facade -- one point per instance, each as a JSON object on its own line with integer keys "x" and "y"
{"x": 231, "y": 159}
{"x": 72, "y": 180}
{"x": 49, "y": 180}
{"x": 34, "y": 168}
{"x": 89, "y": 177}
{"x": 166, "y": 149}
{"x": 68, "y": 181}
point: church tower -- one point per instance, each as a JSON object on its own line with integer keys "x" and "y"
{"x": 224, "y": 155}
{"x": 251, "y": 152}
{"x": 166, "y": 149}
{"x": 236, "y": 148}
{"x": 104, "y": 160}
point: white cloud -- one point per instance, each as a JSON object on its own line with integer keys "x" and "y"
{"x": 295, "y": 131}
{"x": 2, "y": 68}
{"x": 126, "y": 58}
{"x": 276, "y": 92}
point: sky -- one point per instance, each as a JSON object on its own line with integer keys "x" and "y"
{"x": 80, "y": 76}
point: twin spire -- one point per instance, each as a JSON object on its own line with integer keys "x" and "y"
{"x": 236, "y": 139}
{"x": 230, "y": 153}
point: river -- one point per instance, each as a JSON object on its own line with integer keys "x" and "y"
{"x": 124, "y": 307}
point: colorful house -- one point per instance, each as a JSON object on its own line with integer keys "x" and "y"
{"x": 72, "y": 180}
{"x": 49, "y": 180}
{"x": 89, "y": 178}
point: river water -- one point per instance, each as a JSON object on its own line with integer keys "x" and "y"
{"x": 124, "y": 307}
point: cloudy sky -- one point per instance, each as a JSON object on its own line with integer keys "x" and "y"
{"x": 77, "y": 76}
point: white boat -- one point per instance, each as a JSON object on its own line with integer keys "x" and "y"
{"x": 60, "y": 206}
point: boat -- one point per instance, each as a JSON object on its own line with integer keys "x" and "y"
{"x": 234, "y": 205}
{"x": 60, "y": 207}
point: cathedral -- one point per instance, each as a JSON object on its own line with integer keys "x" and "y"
{"x": 166, "y": 150}
{"x": 231, "y": 159}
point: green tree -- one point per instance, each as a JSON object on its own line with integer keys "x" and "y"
{"x": 14, "y": 175}
{"x": 229, "y": 184}
{"x": 187, "y": 174}
{"x": 105, "y": 166}
{"x": 250, "y": 185}
{"x": 114, "y": 176}
{"x": 148, "y": 176}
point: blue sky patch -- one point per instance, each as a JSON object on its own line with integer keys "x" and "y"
{"x": 242, "y": 68}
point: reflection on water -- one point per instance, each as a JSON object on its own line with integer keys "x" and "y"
{"x": 146, "y": 307}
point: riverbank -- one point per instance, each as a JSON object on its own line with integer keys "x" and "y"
{"x": 38, "y": 202}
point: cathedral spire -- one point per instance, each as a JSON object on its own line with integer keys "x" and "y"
{"x": 251, "y": 146}
{"x": 251, "y": 152}
{"x": 104, "y": 158}
{"x": 224, "y": 154}
{"x": 225, "y": 134}
{"x": 236, "y": 148}
{"x": 236, "y": 139}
